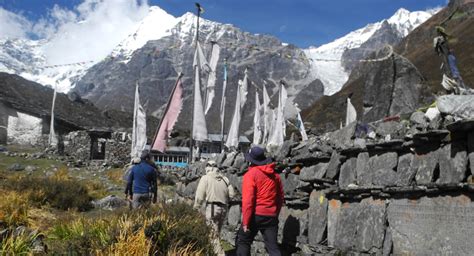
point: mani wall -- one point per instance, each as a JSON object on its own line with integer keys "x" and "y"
{"x": 403, "y": 186}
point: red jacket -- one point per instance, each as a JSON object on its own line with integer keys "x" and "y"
{"x": 262, "y": 192}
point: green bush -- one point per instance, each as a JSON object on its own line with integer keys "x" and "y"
{"x": 82, "y": 236}
{"x": 61, "y": 194}
{"x": 182, "y": 227}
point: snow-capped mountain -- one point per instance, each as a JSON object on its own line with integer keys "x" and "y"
{"x": 28, "y": 59}
{"x": 156, "y": 24}
{"x": 327, "y": 60}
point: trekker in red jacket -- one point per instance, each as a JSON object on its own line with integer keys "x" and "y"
{"x": 262, "y": 198}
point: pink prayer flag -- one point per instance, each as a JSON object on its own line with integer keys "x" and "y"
{"x": 169, "y": 118}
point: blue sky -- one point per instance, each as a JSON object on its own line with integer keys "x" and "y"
{"x": 300, "y": 22}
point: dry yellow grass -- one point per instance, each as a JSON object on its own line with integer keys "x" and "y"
{"x": 14, "y": 208}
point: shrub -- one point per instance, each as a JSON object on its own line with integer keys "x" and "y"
{"x": 82, "y": 236}
{"x": 59, "y": 192}
{"x": 13, "y": 208}
{"x": 180, "y": 226}
{"x": 19, "y": 244}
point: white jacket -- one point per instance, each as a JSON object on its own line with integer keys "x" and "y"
{"x": 213, "y": 188}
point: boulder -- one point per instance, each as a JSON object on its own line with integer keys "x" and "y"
{"x": 384, "y": 177}
{"x": 239, "y": 162}
{"x": 405, "y": 174}
{"x": 110, "y": 203}
{"x": 334, "y": 210}
{"x": 313, "y": 173}
{"x": 16, "y": 167}
{"x": 364, "y": 177}
{"x": 418, "y": 119}
{"x": 233, "y": 216}
{"x": 361, "y": 226}
{"x": 452, "y": 162}
{"x": 470, "y": 143}
{"x": 348, "y": 173}
{"x": 424, "y": 166}
{"x": 395, "y": 129}
{"x": 293, "y": 223}
{"x": 342, "y": 138}
{"x": 229, "y": 160}
{"x": 384, "y": 161}
{"x": 461, "y": 106}
{"x": 334, "y": 164}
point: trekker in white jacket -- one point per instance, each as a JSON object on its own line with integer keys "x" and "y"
{"x": 215, "y": 190}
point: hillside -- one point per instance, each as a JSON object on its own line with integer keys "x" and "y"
{"x": 70, "y": 111}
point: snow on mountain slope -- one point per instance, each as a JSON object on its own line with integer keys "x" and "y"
{"x": 155, "y": 25}
{"x": 28, "y": 58}
{"x": 326, "y": 59}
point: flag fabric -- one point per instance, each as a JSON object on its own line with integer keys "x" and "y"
{"x": 267, "y": 116}
{"x": 53, "y": 140}
{"x": 223, "y": 101}
{"x": 351, "y": 114}
{"x": 243, "y": 88}
{"x": 175, "y": 104}
{"x": 278, "y": 130}
{"x": 233, "y": 135}
{"x": 200, "y": 59}
{"x": 300, "y": 125}
{"x": 211, "y": 81}
{"x": 257, "y": 129}
{"x": 199, "y": 122}
{"x": 284, "y": 98}
{"x": 139, "y": 127}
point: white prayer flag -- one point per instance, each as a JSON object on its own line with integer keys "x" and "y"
{"x": 257, "y": 129}
{"x": 139, "y": 127}
{"x": 211, "y": 81}
{"x": 267, "y": 116}
{"x": 351, "y": 114}
{"x": 53, "y": 140}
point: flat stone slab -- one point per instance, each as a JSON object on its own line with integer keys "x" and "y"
{"x": 432, "y": 226}
{"x": 424, "y": 167}
{"x": 312, "y": 173}
{"x": 457, "y": 105}
{"x": 406, "y": 174}
{"x": 385, "y": 145}
{"x": 431, "y": 135}
{"x": 361, "y": 226}
{"x": 317, "y": 225}
{"x": 333, "y": 165}
{"x": 452, "y": 163}
{"x": 348, "y": 173}
{"x": 364, "y": 177}
{"x": 463, "y": 125}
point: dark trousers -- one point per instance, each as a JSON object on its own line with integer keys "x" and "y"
{"x": 268, "y": 226}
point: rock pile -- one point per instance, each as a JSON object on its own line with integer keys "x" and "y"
{"x": 402, "y": 185}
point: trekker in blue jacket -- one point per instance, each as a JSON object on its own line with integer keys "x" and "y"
{"x": 141, "y": 184}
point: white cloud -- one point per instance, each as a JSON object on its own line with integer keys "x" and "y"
{"x": 88, "y": 32}
{"x": 91, "y": 30}
{"x": 13, "y": 25}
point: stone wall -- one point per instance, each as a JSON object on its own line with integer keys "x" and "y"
{"x": 397, "y": 186}
{"x": 77, "y": 146}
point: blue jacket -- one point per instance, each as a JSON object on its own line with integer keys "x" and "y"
{"x": 142, "y": 178}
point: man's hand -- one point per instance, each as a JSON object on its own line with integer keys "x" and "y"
{"x": 130, "y": 197}
{"x": 245, "y": 229}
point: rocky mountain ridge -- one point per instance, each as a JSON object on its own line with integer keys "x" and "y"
{"x": 409, "y": 78}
